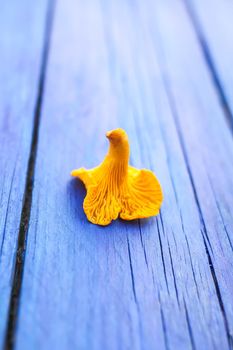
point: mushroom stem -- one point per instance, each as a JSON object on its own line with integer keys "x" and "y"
{"x": 116, "y": 162}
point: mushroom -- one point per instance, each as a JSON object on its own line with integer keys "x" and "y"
{"x": 114, "y": 188}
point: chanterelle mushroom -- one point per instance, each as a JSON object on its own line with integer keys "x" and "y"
{"x": 116, "y": 189}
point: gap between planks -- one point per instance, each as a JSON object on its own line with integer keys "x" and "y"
{"x": 210, "y": 63}
{"x": 28, "y": 191}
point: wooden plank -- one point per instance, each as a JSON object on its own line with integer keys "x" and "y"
{"x": 214, "y": 24}
{"x": 142, "y": 284}
{"x": 205, "y": 140}
{"x": 21, "y": 42}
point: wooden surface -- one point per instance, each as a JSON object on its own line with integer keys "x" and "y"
{"x": 73, "y": 70}
{"x": 21, "y": 43}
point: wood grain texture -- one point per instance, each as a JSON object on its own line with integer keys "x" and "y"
{"x": 165, "y": 282}
{"x": 21, "y": 42}
{"x": 206, "y": 144}
{"x": 214, "y": 24}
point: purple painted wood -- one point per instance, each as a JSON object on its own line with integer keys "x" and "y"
{"x": 213, "y": 20}
{"x": 206, "y": 141}
{"x": 21, "y": 42}
{"x": 165, "y": 282}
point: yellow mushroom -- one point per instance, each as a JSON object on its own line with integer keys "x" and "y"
{"x": 116, "y": 189}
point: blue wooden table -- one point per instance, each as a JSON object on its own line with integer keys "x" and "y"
{"x": 70, "y": 70}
